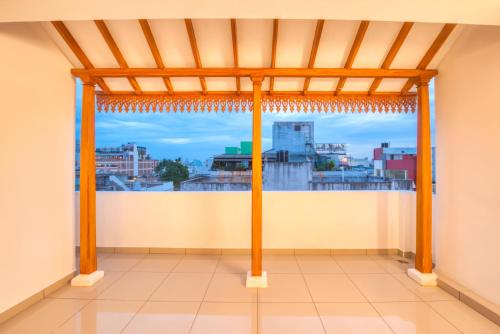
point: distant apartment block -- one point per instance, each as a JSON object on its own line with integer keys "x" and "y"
{"x": 397, "y": 162}
{"x": 128, "y": 160}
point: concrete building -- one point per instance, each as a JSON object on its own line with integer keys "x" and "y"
{"x": 297, "y": 138}
{"x": 398, "y": 162}
{"x": 128, "y": 159}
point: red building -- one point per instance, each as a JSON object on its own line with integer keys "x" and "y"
{"x": 395, "y": 162}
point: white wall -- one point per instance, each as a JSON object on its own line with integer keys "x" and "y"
{"x": 468, "y": 159}
{"x": 464, "y": 11}
{"x": 36, "y": 164}
{"x": 222, "y": 219}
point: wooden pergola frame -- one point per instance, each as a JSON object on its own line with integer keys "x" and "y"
{"x": 255, "y": 100}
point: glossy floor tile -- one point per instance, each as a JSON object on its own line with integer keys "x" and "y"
{"x": 197, "y": 264}
{"x": 238, "y": 264}
{"x": 351, "y": 318}
{"x": 182, "y": 294}
{"x": 222, "y": 318}
{"x": 464, "y": 318}
{"x": 333, "y": 288}
{"x": 285, "y": 288}
{"x": 162, "y": 263}
{"x": 119, "y": 262}
{"x": 101, "y": 316}
{"x": 311, "y": 264}
{"x": 230, "y": 288}
{"x": 134, "y": 286}
{"x": 290, "y": 318}
{"x": 43, "y": 317}
{"x": 88, "y": 292}
{"x": 382, "y": 288}
{"x": 163, "y": 317}
{"x": 183, "y": 287}
{"x": 414, "y": 317}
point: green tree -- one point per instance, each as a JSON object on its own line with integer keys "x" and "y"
{"x": 172, "y": 170}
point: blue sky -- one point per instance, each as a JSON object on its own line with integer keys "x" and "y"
{"x": 203, "y": 135}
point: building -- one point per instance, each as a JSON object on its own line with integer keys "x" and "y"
{"x": 129, "y": 160}
{"x": 234, "y": 158}
{"x": 296, "y": 138}
{"x": 398, "y": 162}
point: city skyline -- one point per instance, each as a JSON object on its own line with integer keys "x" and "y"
{"x": 203, "y": 135}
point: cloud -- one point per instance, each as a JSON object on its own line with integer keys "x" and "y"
{"x": 175, "y": 140}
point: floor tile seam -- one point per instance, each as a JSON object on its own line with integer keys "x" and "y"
{"x": 144, "y": 302}
{"x": 368, "y": 301}
{"x": 137, "y": 263}
{"x": 310, "y": 296}
{"x": 110, "y": 285}
{"x": 442, "y": 315}
{"x": 71, "y": 316}
{"x": 204, "y": 296}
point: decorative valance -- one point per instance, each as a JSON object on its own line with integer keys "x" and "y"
{"x": 242, "y": 103}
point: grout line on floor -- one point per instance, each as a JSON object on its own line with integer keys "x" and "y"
{"x": 368, "y": 301}
{"x": 204, "y": 295}
{"x": 310, "y": 295}
{"x": 150, "y": 295}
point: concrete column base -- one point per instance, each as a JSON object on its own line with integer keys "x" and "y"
{"x": 429, "y": 279}
{"x": 87, "y": 280}
{"x": 256, "y": 281}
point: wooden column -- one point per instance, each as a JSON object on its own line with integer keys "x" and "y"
{"x": 257, "y": 178}
{"x": 88, "y": 259}
{"x": 423, "y": 259}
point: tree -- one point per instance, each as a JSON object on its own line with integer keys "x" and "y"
{"x": 324, "y": 166}
{"x": 172, "y": 170}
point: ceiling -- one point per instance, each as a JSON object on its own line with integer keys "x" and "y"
{"x": 486, "y": 12}
{"x": 254, "y": 45}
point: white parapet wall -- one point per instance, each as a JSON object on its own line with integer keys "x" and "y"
{"x": 299, "y": 220}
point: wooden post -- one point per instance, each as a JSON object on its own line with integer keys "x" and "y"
{"x": 423, "y": 259}
{"x": 88, "y": 258}
{"x": 256, "y": 178}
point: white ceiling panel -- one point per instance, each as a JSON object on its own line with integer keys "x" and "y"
{"x": 130, "y": 39}
{"x": 376, "y": 43}
{"x": 61, "y": 44}
{"x": 221, "y": 84}
{"x": 151, "y": 84}
{"x": 335, "y": 43}
{"x": 213, "y": 38}
{"x": 118, "y": 84}
{"x": 391, "y": 85}
{"x": 93, "y": 45}
{"x": 173, "y": 42}
{"x": 357, "y": 85}
{"x": 323, "y": 84}
{"x": 416, "y": 45}
{"x": 288, "y": 84}
{"x": 186, "y": 84}
{"x": 446, "y": 47}
{"x": 295, "y": 39}
{"x": 247, "y": 86}
{"x": 254, "y": 42}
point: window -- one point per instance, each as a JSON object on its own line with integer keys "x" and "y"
{"x": 213, "y": 151}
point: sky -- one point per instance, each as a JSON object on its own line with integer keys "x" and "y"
{"x": 202, "y": 135}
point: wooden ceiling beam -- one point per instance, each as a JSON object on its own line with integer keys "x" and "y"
{"x": 234, "y": 37}
{"x": 247, "y": 72}
{"x": 273, "y": 51}
{"x": 393, "y": 51}
{"x": 363, "y": 27}
{"x": 196, "y": 52}
{"x": 77, "y": 50}
{"x": 106, "y": 34}
{"x": 148, "y": 34}
{"x": 314, "y": 51}
{"x": 429, "y": 55}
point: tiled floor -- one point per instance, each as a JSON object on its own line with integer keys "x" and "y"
{"x": 145, "y": 294}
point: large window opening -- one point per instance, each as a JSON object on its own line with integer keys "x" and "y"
{"x": 208, "y": 151}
